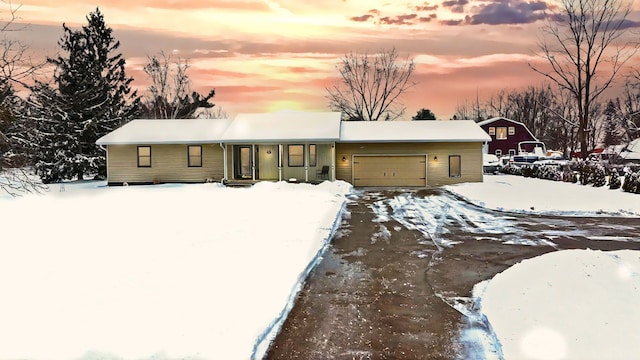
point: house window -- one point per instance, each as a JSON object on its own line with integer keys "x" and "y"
{"x": 455, "y": 166}
{"x": 498, "y": 152}
{"x": 512, "y": 130}
{"x": 144, "y": 156}
{"x": 296, "y": 155}
{"x": 501, "y": 133}
{"x": 194, "y": 155}
{"x": 512, "y": 152}
{"x": 313, "y": 155}
{"x": 492, "y": 131}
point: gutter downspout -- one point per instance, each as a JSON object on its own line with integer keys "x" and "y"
{"x": 224, "y": 166}
{"x": 333, "y": 162}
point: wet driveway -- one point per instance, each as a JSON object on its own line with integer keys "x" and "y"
{"x": 397, "y": 279}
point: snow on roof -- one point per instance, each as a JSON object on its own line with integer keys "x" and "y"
{"x": 167, "y": 131}
{"x": 631, "y": 151}
{"x": 285, "y": 125}
{"x": 412, "y": 131}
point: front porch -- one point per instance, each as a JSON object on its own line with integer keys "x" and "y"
{"x": 295, "y": 162}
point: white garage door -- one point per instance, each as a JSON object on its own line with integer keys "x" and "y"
{"x": 390, "y": 170}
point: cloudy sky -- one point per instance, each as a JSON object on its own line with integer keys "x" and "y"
{"x": 264, "y": 55}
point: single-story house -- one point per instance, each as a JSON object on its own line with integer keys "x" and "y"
{"x": 505, "y": 135}
{"x": 285, "y": 145}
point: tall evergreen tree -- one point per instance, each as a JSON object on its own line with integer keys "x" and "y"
{"x": 91, "y": 96}
{"x": 613, "y": 131}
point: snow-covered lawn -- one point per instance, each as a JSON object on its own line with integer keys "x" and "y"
{"x": 570, "y": 304}
{"x": 207, "y": 272}
{"x": 537, "y": 196}
{"x": 170, "y": 271}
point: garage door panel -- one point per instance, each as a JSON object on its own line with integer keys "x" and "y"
{"x": 390, "y": 170}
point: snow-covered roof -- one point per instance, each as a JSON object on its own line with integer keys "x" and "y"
{"x": 631, "y": 151}
{"x": 412, "y": 131}
{"x": 167, "y": 131}
{"x": 284, "y": 126}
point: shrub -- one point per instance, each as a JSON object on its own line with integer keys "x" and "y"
{"x": 598, "y": 176}
{"x": 614, "y": 180}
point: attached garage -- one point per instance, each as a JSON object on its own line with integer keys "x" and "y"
{"x": 409, "y": 153}
{"x": 390, "y": 170}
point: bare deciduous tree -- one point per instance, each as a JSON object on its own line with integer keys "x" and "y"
{"x": 16, "y": 67}
{"x": 371, "y": 85}
{"x": 585, "y": 50}
{"x": 168, "y": 96}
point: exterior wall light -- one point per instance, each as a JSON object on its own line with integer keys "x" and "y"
{"x": 435, "y": 158}
{"x": 344, "y": 159}
{"x": 269, "y": 152}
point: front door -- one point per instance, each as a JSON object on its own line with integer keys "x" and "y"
{"x": 244, "y": 160}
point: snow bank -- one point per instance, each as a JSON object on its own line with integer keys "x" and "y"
{"x": 166, "y": 271}
{"x": 571, "y": 304}
{"x": 528, "y": 195}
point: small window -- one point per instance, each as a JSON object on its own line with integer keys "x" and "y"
{"x": 296, "y": 155}
{"x": 512, "y": 130}
{"x": 512, "y": 152}
{"x": 498, "y": 152}
{"x": 501, "y": 133}
{"x": 194, "y": 155}
{"x": 144, "y": 156}
{"x": 492, "y": 131}
{"x": 454, "y": 166}
{"x": 313, "y": 157}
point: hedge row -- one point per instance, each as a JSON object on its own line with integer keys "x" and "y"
{"x": 586, "y": 173}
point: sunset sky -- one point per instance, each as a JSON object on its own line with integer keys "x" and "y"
{"x": 265, "y": 55}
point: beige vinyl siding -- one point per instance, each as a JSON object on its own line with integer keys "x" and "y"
{"x": 437, "y": 170}
{"x": 268, "y": 162}
{"x": 169, "y": 163}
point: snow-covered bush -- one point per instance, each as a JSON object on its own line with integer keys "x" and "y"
{"x": 631, "y": 182}
{"x": 549, "y": 172}
{"x": 598, "y": 176}
{"x": 614, "y": 180}
{"x": 568, "y": 175}
{"x": 586, "y": 173}
{"x": 511, "y": 170}
{"x": 529, "y": 171}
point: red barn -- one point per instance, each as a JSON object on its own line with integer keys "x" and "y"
{"x": 505, "y": 135}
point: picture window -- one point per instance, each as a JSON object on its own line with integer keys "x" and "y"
{"x": 296, "y": 155}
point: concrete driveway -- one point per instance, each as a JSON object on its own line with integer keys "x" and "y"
{"x": 396, "y": 281}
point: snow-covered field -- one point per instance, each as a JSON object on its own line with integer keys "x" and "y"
{"x": 164, "y": 272}
{"x": 570, "y": 304}
{"x": 206, "y": 272}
